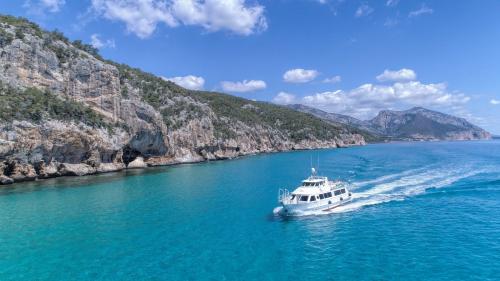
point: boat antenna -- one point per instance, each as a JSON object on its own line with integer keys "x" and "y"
{"x": 318, "y": 160}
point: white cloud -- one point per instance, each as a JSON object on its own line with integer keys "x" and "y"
{"x": 363, "y": 10}
{"x": 244, "y": 86}
{"x": 141, "y": 17}
{"x": 214, "y": 15}
{"x": 334, "y": 79}
{"x": 367, "y": 100}
{"x": 391, "y": 3}
{"x": 40, "y": 6}
{"x": 189, "y": 82}
{"x": 300, "y": 75}
{"x": 284, "y": 98}
{"x": 96, "y": 42}
{"x": 422, "y": 11}
{"x": 495, "y": 102}
{"x": 403, "y": 74}
{"x": 53, "y": 5}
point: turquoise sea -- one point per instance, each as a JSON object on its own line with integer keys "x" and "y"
{"x": 423, "y": 211}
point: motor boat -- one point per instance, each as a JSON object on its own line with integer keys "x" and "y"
{"x": 316, "y": 193}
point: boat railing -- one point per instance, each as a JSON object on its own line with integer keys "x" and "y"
{"x": 284, "y": 196}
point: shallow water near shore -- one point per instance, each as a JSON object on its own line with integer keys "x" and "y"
{"x": 421, "y": 211}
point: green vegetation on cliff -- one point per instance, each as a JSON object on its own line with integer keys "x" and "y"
{"x": 297, "y": 125}
{"x": 157, "y": 92}
{"x": 35, "y": 105}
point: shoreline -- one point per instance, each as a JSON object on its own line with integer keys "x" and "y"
{"x": 148, "y": 166}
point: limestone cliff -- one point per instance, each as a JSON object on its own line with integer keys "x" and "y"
{"x": 67, "y": 111}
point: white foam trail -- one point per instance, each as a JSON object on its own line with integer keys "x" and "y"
{"x": 419, "y": 189}
{"x": 385, "y": 178}
{"x": 403, "y": 187}
{"x": 412, "y": 180}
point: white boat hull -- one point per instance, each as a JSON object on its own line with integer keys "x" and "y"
{"x": 310, "y": 208}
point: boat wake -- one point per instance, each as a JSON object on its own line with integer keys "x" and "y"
{"x": 397, "y": 187}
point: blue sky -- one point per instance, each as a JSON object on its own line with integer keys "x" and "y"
{"x": 351, "y": 57}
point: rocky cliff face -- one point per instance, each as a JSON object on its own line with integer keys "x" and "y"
{"x": 423, "y": 124}
{"x": 413, "y": 124}
{"x": 67, "y": 111}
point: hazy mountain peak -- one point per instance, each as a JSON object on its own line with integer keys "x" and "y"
{"x": 417, "y": 123}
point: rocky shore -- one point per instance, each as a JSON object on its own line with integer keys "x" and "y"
{"x": 31, "y": 152}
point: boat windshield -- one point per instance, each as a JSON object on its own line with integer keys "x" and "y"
{"x": 318, "y": 183}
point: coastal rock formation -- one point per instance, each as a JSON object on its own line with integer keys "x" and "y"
{"x": 66, "y": 111}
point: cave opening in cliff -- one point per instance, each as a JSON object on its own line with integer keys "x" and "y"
{"x": 129, "y": 154}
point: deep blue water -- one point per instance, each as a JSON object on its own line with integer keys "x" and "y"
{"x": 423, "y": 211}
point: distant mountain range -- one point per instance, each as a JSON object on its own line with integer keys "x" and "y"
{"x": 414, "y": 124}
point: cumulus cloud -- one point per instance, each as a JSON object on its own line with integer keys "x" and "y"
{"x": 141, "y": 17}
{"x": 495, "y": 102}
{"x": 189, "y": 82}
{"x": 284, "y": 98}
{"x": 40, "y": 6}
{"x": 403, "y": 74}
{"x": 243, "y": 86}
{"x": 98, "y": 43}
{"x": 300, "y": 75}
{"x": 367, "y": 100}
{"x": 424, "y": 10}
{"x": 214, "y": 15}
{"x": 363, "y": 10}
{"x": 333, "y": 80}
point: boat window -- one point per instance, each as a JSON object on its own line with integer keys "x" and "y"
{"x": 313, "y": 198}
{"x": 328, "y": 195}
{"x": 336, "y": 192}
{"x": 321, "y": 196}
{"x": 304, "y": 198}
{"x": 293, "y": 197}
{"x": 342, "y": 190}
